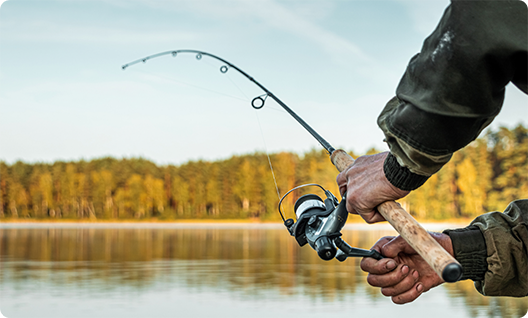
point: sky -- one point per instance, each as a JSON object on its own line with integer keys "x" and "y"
{"x": 64, "y": 95}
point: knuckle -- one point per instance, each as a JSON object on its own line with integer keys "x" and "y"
{"x": 365, "y": 265}
{"x": 373, "y": 280}
{"x": 341, "y": 178}
{"x": 350, "y": 209}
{"x": 370, "y": 221}
{"x": 353, "y": 196}
{"x": 407, "y": 283}
{"x": 360, "y": 159}
{"x": 388, "y": 292}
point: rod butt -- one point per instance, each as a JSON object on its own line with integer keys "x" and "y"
{"x": 452, "y": 272}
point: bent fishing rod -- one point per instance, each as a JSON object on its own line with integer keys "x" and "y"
{"x": 257, "y": 102}
{"x": 319, "y": 223}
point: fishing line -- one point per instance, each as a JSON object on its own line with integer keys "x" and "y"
{"x": 192, "y": 85}
{"x": 257, "y": 102}
{"x": 183, "y": 83}
{"x": 229, "y": 78}
{"x": 210, "y": 90}
{"x": 224, "y": 70}
{"x": 267, "y": 154}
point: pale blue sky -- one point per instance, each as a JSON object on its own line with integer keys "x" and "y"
{"x": 63, "y": 95}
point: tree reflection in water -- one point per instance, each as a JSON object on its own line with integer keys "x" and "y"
{"x": 250, "y": 260}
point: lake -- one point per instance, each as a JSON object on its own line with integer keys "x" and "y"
{"x": 203, "y": 270}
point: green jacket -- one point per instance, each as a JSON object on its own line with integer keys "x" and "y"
{"x": 449, "y": 93}
{"x": 493, "y": 251}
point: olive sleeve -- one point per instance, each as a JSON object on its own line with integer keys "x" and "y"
{"x": 454, "y": 87}
{"x": 506, "y": 236}
{"x": 493, "y": 251}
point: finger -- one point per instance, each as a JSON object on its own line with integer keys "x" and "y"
{"x": 342, "y": 182}
{"x": 396, "y": 246}
{"x": 382, "y": 241}
{"x": 349, "y": 208}
{"x": 409, "y": 295}
{"x": 342, "y": 189}
{"x": 402, "y": 286}
{"x": 341, "y": 178}
{"x": 369, "y": 264}
{"x": 373, "y": 266}
{"x": 372, "y": 217}
{"x": 393, "y": 279}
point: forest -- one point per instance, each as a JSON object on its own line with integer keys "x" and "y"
{"x": 485, "y": 176}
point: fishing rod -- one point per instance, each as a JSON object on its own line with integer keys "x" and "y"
{"x": 319, "y": 222}
{"x": 257, "y": 102}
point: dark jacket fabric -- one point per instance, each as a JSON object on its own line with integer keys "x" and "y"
{"x": 449, "y": 93}
{"x": 455, "y": 86}
{"x": 493, "y": 251}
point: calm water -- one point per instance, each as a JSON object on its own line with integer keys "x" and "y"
{"x": 202, "y": 271}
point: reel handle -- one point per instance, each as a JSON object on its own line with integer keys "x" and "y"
{"x": 445, "y": 265}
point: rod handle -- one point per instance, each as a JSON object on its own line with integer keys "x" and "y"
{"x": 445, "y": 265}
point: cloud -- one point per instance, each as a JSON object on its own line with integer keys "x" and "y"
{"x": 50, "y": 31}
{"x": 280, "y": 17}
{"x": 295, "y": 18}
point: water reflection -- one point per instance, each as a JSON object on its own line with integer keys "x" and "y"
{"x": 251, "y": 267}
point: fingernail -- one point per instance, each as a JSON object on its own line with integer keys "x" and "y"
{"x": 391, "y": 265}
{"x": 415, "y": 274}
{"x": 405, "y": 269}
{"x": 419, "y": 288}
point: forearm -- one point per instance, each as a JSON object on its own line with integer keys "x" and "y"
{"x": 454, "y": 88}
{"x": 420, "y": 142}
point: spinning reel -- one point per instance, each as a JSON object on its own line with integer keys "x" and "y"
{"x": 319, "y": 224}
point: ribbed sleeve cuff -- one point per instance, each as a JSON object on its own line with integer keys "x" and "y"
{"x": 401, "y": 177}
{"x": 470, "y": 251}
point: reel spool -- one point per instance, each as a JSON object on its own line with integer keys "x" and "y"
{"x": 319, "y": 223}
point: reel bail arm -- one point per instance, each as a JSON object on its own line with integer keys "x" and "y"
{"x": 319, "y": 223}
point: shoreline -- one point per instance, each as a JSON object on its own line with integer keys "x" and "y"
{"x": 354, "y": 224}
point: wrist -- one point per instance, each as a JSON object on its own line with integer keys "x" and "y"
{"x": 445, "y": 241}
{"x": 469, "y": 249}
{"x": 401, "y": 177}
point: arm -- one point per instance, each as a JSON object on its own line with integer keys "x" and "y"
{"x": 449, "y": 93}
{"x": 493, "y": 251}
{"x": 454, "y": 88}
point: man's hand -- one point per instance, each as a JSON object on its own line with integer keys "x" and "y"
{"x": 403, "y": 275}
{"x": 367, "y": 187}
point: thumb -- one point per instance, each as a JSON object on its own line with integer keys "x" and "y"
{"x": 397, "y": 246}
{"x": 341, "y": 181}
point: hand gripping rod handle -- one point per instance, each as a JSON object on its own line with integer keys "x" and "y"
{"x": 445, "y": 265}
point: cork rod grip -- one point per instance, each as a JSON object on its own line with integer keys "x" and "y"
{"x": 445, "y": 265}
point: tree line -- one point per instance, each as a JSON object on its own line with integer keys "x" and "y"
{"x": 484, "y": 176}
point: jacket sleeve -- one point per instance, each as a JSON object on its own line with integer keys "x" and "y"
{"x": 493, "y": 251}
{"x": 454, "y": 87}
